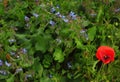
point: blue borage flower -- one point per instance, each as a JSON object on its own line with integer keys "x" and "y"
{"x": 69, "y": 65}
{"x": 50, "y": 75}
{"x": 24, "y": 50}
{"x": 27, "y": 25}
{"x": 58, "y": 14}
{"x": 93, "y": 14}
{"x": 53, "y": 10}
{"x": 18, "y": 70}
{"x": 58, "y": 6}
{"x": 52, "y": 23}
{"x": 64, "y": 19}
{"x": 72, "y": 15}
{"x": 7, "y": 64}
{"x": 3, "y": 72}
{"x": 11, "y": 40}
{"x": 1, "y": 62}
{"x": 84, "y": 34}
{"x": 58, "y": 40}
{"x": 28, "y": 76}
{"x": 12, "y": 53}
{"x": 27, "y": 18}
{"x": 117, "y": 10}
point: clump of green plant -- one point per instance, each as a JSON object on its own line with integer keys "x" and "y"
{"x": 56, "y": 41}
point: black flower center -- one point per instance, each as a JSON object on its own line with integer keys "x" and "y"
{"x": 106, "y": 57}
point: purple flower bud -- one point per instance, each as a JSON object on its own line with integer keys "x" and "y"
{"x": 1, "y": 62}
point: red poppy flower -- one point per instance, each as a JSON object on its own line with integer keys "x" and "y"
{"x": 105, "y": 54}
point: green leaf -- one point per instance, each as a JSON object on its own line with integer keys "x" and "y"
{"x": 100, "y": 13}
{"x": 85, "y": 23}
{"x": 14, "y": 48}
{"x": 41, "y": 44}
{"x": 45, "y": 79}
{"x": 79, "y": 44}
{"x": 37, "y": 67}
{"x": 26, "y": 61}
{"x": 11, "y": 79}
{"x": 3, "y": 77}
{"x": 47, "y": 61}
{"x": 1, "y": 9}
{"x": 91, "y": 33}
{"x": 58, "y": 55}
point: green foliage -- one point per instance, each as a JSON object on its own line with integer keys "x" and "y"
{"x": 56, "y": 41}
{"x": 58, "y": 55}
{"x": 11, "y": 79}
{"x": 92, "y": 33}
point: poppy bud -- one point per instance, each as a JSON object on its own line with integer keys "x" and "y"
{"x": 105, "y": 54}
